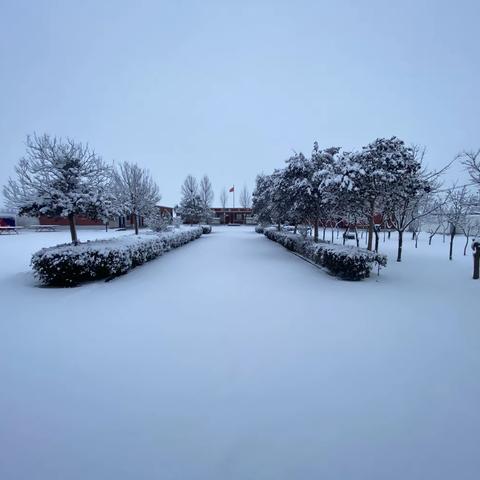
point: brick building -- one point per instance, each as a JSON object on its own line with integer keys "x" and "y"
{"x": 123, "y": 221}
{"x": 233, "y": 216}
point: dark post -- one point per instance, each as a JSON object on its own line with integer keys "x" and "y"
{"x": 476, "y": 259}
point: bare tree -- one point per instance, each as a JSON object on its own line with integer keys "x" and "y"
{"x": 60, "y": 178}
{"x": 471, "y": 160}
{"x": 245, "y": 199}
{"x": 136, "y": 191}
{"x": 190, "y": 186}
{"x": 223, "y": 201}
{"x": 434, "y": 223}
{"x": 413, "y": 197}
{"x": 471, "y": 224}
{"x": 457, "y": 208}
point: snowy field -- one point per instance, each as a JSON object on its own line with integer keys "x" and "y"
{"x": 231, "y": 358}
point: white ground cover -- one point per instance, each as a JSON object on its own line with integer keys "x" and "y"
{"x": 231, "y": 358}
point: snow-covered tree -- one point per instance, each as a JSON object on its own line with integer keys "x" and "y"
{"x": 191, "y": 207}
{"x": 157, "y": 220}
{"x": 61, "y": 178}
{"x": 471, "y": 225}
{"x": 136, "y": 191}
{"x": 312, "y": 196}
{"x": 261, "y": 199}
{"x": 412, "y": 198}
{"x": 374, "y": 173}
{"x": 458, "y": 207}
{"x": 206, "y": 197}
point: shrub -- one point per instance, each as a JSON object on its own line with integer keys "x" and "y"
{"x": 347, "y": 262}
{"x": 69, "y": 265}
{"x": 158, "y": 221}
{"x": 259, "y": 228}
{"x": 206, "y": 229}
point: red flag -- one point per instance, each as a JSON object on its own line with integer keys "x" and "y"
{"x": 232, "y": 189}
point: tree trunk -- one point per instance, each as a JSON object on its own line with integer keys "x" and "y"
{"x": 376, "y": 240}
{"x": 356, "y": 237}
{"x": 315, "y": 230}
{"x": 476, "y": 263}
{"x": 389, "y": 233}
{"x": 333, "y": 232}
{"x": 400, "y": 245}
{"x": 73, "y": 228}
{"x": 416, "y": 240}
{"x": 466, "y": 244}
{"x": 452, "y": 236}
{"x": 324, "y": 229}
{"x": 370, "y": 231}
{"x": 135, "y": 221}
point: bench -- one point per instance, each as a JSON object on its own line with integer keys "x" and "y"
{"x": 44, "y": 228}
{"x": 9, "y": 230}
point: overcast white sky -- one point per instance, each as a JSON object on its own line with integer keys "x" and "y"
{"x": 230, "y": 88}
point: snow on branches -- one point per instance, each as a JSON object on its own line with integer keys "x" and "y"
{"x": 331, "y": 187}
{"x": 60, "y": 178}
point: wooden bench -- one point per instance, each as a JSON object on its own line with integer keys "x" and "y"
{"x": 9, "y": 230}
{"x": 44, "y": 228}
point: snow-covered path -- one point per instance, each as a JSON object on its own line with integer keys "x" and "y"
{"x": 231, "y": 358}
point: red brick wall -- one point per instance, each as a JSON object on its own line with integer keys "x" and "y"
{"x": 79, "y": 220}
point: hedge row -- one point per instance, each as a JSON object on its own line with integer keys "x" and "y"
{"x": 347, "y": 262}
{"x": 69, "y": 265}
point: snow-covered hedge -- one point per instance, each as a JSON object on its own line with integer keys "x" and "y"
{"x": 68, "y": 265}
{"x": 206, "y": 229}
{"x": 259, "y": 228}
{"x": 347, "y": 262}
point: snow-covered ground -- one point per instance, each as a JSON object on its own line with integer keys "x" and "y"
{"x": 231, "y": 358}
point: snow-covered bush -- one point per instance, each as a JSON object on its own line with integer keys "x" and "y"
{"x": 259, "y": 228}
{"x": 158, "y": 221}
{"x": 347, "y": 262}
{"x": 68, "y": 265}
{"x": 206, "y": 229}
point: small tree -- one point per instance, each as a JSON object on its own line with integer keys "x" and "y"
{"x": 245, "y": 199}
{"x": 60, "y": 178}
{"x": 374, "y": 174}
{"x": 191, "y": 207}
{"x": 412, "y": 198}
{"x": 135, "y": 190}
{"x": 157, "y": 220}
{"x": 457, "y": 208}
{"x": 206, "y": 198}
{"x": 262, "y": 201}
{"x": 223, "y": 201}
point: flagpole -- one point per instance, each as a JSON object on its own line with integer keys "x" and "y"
{"x": 234, "y": 196}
